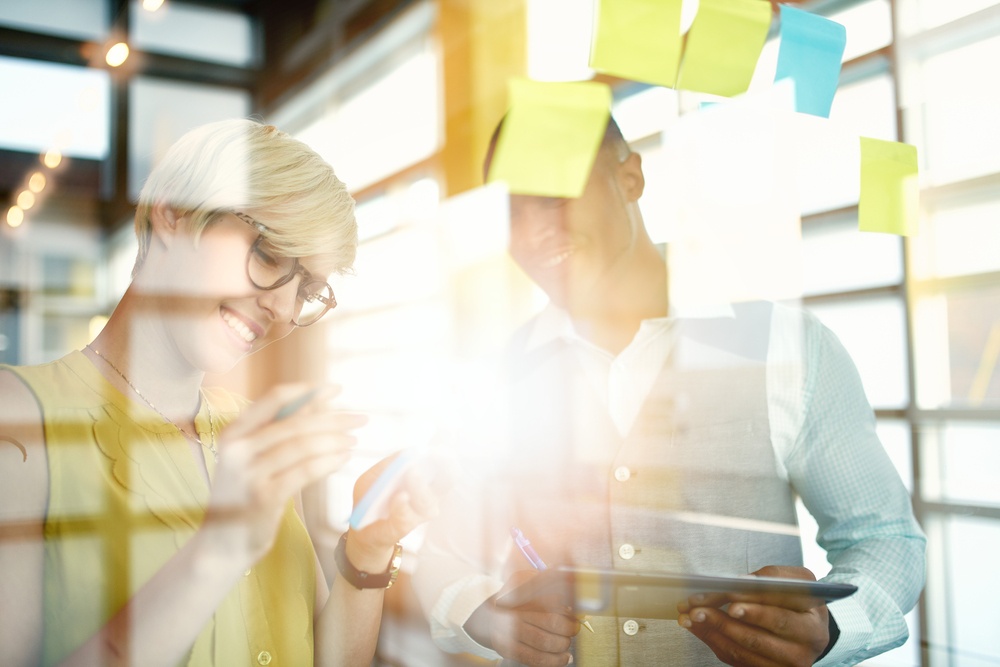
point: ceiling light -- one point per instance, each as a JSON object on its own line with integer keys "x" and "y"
{"x": 15, "y": 216}
{"x": 26, "y": 199}
{"x": 117, "y": 54}
{"x": 37, "y": 182}
{"x": 52, "y": 159}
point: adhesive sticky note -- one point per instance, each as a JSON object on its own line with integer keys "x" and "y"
{"x": 723, "y": 46}
{"x": 550, "y": 137}
{"x": 638, "y": 39}
{"x": 890, "y": 190}
{"x": 810, "y": 52}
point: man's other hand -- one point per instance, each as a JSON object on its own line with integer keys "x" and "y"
{"x": 538, "y": 635}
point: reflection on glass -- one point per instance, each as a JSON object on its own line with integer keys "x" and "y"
{"x": 873, "y": 331}
{"x": 392, "y": 271}
{"x": 558, "y": 33}
{"x": 961, "y": 603}
{"x": 867, "y": 108}
{"x": 827, "y": 151}
{"x": 42, "y": 108}
{"x": 958, "y": 238}
{"x": 959, "y": 104}
{"x": 61, "y": 333}
{"x": 371, "y": 134}
{"x": 160, "y": 111}
{"x": 836, "y": 257}
{"x": 68, "y": 276}
{"x": 80, "y": 19}
{"x": 191, "y": 31}
{"x": 895, "y": 437}
{"x": 959, "y": 462}
{"x": 957, "y": 345}
{"x": 869, "y": 27}
{"x": 923, "y": 14}
{"x": 646, "y": 112}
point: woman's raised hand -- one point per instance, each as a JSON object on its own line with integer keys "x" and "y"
{"x": 263, "y": 463}
{"x": 415, "y": 501}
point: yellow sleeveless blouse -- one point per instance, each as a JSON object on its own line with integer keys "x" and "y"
{"x": 125, "y": 494}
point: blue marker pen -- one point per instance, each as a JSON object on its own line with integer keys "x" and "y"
{"x": 528, "y": 551}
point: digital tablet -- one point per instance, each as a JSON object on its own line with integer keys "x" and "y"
{"x": 651, "y": 594}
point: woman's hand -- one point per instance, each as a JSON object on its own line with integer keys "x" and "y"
{"x": 263, "y": 463}
{"x": 416, "y": 501}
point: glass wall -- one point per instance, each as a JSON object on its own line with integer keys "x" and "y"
{"x": 62, "y": 124}
{"x": 919, "y": 316}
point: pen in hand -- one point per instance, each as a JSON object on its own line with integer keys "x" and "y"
{"x": 528, "y": 551}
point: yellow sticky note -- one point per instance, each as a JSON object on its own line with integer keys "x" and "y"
{"x": 638, "y": 39}
{"x": 890, "y": 188}
{"x": 723, "y": 46}
{"x": 550, "y": 137}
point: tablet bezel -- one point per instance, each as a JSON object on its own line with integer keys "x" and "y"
{"x": 645, "y": 594}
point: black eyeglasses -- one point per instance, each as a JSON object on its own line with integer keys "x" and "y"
{"x": 269, "y": 270}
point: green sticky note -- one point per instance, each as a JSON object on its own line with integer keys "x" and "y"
{"x": 890, "y": 189}
{"x": 723, "y": 46}
{"x": 638, "y": 39}
{"x": 550, "y": 137}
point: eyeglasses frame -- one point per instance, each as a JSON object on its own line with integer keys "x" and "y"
{"x": 307, "y": 278}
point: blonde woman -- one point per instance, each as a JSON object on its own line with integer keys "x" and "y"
{"x": 152, "y": 521}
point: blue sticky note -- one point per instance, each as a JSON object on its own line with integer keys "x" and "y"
{"x": 810, "y": 52}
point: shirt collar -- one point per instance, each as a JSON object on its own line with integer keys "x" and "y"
{"x": 554, "y": 323}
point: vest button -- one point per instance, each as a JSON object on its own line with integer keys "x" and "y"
{"x": 626, "y": 551}
{"x": 622, "y": 473}
{"x": 263, "y": 658}
{"x": 630, "y": 627}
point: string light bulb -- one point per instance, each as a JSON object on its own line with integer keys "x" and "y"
{"x": 15, "y": 216}
{"x": 117, "y": 54}
{"x": 151, "y": 5}
{"x": 37, "y": 182}
{"x": 52, "y": 159}
{"x": 26, "y": 199}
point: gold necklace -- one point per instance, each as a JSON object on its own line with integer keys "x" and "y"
{"x": 191, "y": 436}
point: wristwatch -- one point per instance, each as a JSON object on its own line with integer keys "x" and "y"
{"x": 361, "y": 580}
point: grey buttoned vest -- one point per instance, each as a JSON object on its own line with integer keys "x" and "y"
{"x": 693, "y": 488}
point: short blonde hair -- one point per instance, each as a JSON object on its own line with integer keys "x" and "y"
{"x": 246, "y": 166}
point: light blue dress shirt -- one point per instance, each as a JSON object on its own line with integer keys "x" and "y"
{"x": 825, "y": 445}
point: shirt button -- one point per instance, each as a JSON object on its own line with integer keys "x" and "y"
{"x": 626, "y": 551}
{"x": 264, "y": 658}
{"x": 630, "y": 627}
{"x": 246, "y": 573}
{"x": 622, "y": 473}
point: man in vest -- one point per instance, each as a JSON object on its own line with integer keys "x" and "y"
{"x": 639, "y": 440}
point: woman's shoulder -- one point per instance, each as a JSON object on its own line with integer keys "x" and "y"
{"x": 71, "y": 377}
{"x": 23, "y": 465}
{"x": 19, "y": 408}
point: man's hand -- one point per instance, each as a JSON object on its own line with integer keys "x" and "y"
{"x": 538, "y": 635}
{"x": 760, "y": 630}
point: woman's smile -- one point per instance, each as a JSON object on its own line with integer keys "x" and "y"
{"x": 247, "y": 331}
